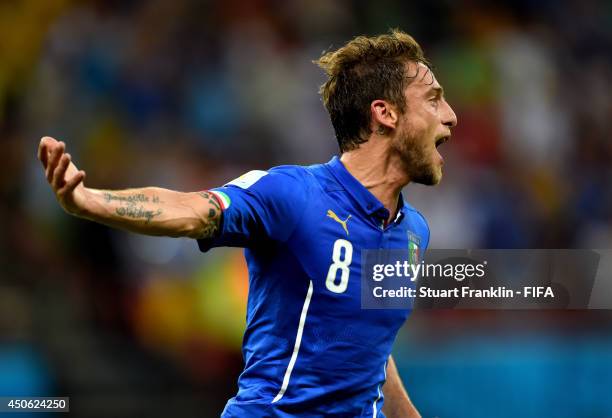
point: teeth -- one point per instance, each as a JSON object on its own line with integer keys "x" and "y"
{"x": 440, "y": 141}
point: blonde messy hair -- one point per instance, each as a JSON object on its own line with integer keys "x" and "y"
{"x": 363, "y": 70}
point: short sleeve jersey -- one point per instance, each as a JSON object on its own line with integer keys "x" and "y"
{"x": 309, "y": 348}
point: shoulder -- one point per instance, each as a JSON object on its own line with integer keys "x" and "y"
{"x": 291, "y": 173}
{"x": 276, "y": 180}
{"x": 287, "y": 181}
{"x": 416, "y": 215}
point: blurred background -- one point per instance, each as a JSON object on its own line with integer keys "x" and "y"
{"x": 188, "y": 94}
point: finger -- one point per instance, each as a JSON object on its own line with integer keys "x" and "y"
{"x": 72, "y": 183}
{"x": 56, "y": 153}
{"x": 49, "y": 140}
{"x": 42, "y": 154}
{"x": 60, "y": 172}
{"x": 43, "y": 149}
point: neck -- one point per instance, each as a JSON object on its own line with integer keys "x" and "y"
{"x": 379, "y": 170}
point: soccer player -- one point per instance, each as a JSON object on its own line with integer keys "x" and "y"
{"x": 309, "y": 349}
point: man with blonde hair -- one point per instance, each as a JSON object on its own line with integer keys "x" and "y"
{"x": 309, "y": 348}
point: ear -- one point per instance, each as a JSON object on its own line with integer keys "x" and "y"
{"x": 383, "y": 114}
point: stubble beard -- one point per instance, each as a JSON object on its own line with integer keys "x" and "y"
{"x": 418, "y": 161}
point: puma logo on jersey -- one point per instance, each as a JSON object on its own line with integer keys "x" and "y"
{"x": 331, "y": 214}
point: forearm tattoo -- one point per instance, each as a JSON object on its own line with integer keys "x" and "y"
{"x": 132, "y": 206}
{"x": 213, "y": 220}
{"x": 138, "y": 213}
{"x": 134, "y": 198}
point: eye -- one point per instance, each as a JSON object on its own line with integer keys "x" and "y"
{"x": 434, "y": 102}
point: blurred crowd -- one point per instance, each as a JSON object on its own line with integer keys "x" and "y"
{"x": 188, "y": 94}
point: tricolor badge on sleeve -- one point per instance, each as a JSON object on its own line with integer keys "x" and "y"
{"x": 223, "y": 199}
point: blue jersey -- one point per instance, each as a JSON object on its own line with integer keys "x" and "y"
{"x": 309, "y": 348}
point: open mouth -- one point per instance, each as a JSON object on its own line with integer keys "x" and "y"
{"x": 442, "y": 140}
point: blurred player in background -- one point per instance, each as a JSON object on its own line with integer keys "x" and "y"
{"x": 308, "y": 347}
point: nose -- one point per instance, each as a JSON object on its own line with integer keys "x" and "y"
{"x": 448, "y": 116}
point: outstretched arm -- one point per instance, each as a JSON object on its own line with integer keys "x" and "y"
{"x": 149, "y": 210}
{"x": 397, "y": 403}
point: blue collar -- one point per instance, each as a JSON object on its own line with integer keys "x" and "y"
{"x": 362, "y": 196}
